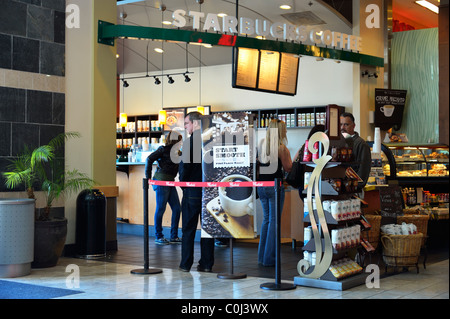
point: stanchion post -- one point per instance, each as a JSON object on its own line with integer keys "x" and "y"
{"x": 278, "y": 285}
{"x": 146, "y": 270}
{"x": 231, "y": 275}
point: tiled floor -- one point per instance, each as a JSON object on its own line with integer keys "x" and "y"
{"x": 111, "y": 278}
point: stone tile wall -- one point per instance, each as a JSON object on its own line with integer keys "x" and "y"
{"x": 32, "y": 70}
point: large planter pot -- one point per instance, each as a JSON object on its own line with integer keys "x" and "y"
{"x": 16, "y": 236}
{"x": 49, "y": 240}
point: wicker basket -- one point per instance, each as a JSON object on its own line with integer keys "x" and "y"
{"x": 373, "y": 234}
{"x": 421, "y": 222}
{"x": 401, "y": 250}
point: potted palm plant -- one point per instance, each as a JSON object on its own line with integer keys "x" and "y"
{"x": 40, "y": 167}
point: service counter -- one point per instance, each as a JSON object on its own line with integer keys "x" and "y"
{"x": 130, "y": 208}
{"x": 130, "y": 204}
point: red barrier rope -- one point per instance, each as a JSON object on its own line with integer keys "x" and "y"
{"x": 212, "y": 184}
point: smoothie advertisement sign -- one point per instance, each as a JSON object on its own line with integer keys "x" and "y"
{"x": 227, "y": 141}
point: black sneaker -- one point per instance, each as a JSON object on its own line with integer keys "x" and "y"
{"x": 176, "y": 241}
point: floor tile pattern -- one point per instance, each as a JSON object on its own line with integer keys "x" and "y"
{"x": 111, "y": 278}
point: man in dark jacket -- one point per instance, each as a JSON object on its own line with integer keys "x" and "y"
{"x": 190, "y": 170}
{"x": 361, "y": 150}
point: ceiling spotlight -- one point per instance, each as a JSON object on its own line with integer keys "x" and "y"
{"x": 159, "y": 50}
{"x": 170, "y": 79}
{"x": 187, "y": 78}
{"x": 157, "y": 81}
{"x": 125, "y": 84}
{"x": 285, "y": 7}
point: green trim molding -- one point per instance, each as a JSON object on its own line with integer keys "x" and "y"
{"x": 107, "y": 32}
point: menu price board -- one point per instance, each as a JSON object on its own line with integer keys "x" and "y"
{"x": 247, "y": 68}
{"x": 287, "y": 81}
{"x": 267, "y": 71}
{"x": 389, "y": 106}
{"x": 391, "y": 201}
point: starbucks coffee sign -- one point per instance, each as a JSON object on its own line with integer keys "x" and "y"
{"x": 264, "y": 28}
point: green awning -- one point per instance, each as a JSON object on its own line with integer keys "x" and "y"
{"x": 107, "y": 32}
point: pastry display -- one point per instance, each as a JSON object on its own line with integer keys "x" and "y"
{"x": 418, "y": 161}
{"x": 387, "y": 170}
{"x": 438, "y": 170}
{"x": 412, "y": 173}
{"x": 436, "y": 155}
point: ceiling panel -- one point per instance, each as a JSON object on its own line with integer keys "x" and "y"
{"x": 137, "y": 56}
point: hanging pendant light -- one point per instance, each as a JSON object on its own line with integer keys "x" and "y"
{"x": 201, "y": 110}
{"x": 162, "y": 116}
{"x": 123, "y": 119}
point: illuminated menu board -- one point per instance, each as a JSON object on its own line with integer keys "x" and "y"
{"x": 267, "y": 71}
{"x": 288, "y": 73}
{"x": 247, "y": 68}
{"x": 269, "y": 65}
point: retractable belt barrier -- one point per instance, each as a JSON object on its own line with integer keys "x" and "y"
{"x": 212, "y": 184}
{"x": 277, "y": 184}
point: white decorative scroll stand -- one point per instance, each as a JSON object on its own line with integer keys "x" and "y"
{"x": 319, "y": 275}
{"x": 324, "y": 253}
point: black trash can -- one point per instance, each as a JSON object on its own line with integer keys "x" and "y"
{"x": 90, "y": 233}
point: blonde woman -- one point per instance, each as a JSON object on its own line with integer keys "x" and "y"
{"x": 273, "y": 158}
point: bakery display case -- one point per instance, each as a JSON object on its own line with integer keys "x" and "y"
{"x": 416, "y": 164}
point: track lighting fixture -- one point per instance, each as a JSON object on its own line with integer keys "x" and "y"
{"x": 158, "y": 77}
{"x": 369, "y": 75}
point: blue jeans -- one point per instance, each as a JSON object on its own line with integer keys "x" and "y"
{"x": 266, "y": 249}
{"x": 192, "y": 208}
{"x": 164, "y": 195}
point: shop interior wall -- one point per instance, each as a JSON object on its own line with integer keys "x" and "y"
{"x": 319, "y": 83}
{"x": 415, "y": 68}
